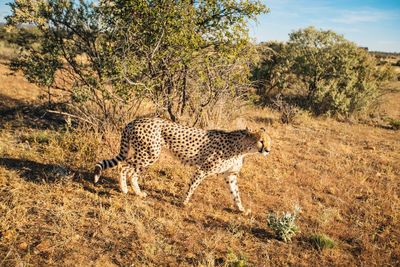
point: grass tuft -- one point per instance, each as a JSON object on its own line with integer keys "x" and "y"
{"x": 233, "y": 260}
{"x": 322, "y": 241}
{"x": 394, "y": 124}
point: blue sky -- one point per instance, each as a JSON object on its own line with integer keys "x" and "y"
{"x": 371, "y": 23}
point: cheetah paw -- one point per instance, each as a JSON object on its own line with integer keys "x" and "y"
{"x": 186, "y": 203}
{"x": 142, "y": 194}
{"x": 245, "y": 211}
{"x": 96, "y": 178}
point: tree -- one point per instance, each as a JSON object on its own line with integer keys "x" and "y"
{"x": 109, "y": 56}
{"x": 338, "y": 77}
{"x": 271, "y": 75}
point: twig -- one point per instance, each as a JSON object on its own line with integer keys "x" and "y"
{"x": 70, "y": 115}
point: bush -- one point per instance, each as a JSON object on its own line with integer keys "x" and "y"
{"x": 321, "y": 241}
{"x": 108, "y": 57}
{"x": 288, "y": 111}
{"x": 334, "y": 74}
{"x": 284, "y": 226}
{"x": 271, "y": 75}
{"x": 340, "y": 77}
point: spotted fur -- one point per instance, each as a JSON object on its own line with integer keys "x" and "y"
{"x": 210, "y": 151}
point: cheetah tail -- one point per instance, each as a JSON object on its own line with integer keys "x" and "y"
{"x": 105, "y": 164}
{"x": 109, "y": 163}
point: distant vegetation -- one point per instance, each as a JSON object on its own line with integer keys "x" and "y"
{"x": 384, "y": 54}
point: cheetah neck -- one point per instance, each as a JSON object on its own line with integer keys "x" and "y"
{"x": 240, "y": 144}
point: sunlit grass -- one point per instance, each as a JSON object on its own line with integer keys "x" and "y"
{"x": 52, "y": 214}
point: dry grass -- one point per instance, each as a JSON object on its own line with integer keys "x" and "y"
{"x": 345, "y": 177}
{"x": 7, "y": 51}
{"x": 14, "y": 88}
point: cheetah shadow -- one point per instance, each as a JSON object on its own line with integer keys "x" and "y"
{"x": 163, "y": 195}
{"x": 36, "y": 172}
{"x": 257, "y": 232}
{"x": 44, "y": 173}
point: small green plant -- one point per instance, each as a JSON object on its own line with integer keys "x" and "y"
{"x": 394, "y": 124}
{"x": 232, "y": 260}
{"x": 321, "y": 241}
{"x": 284, "y": 226}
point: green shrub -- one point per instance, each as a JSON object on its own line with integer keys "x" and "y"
{"x": 394, "y": 124}
{"x": 321, "y": 241}
{"x": 284, "y": 226}
{"x": 232, "y": 260}
{"x": 334, "y": 75}
{"x": 340, "y": 77}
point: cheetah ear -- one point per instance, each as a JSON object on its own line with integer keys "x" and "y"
{"x": 250, "y": 130}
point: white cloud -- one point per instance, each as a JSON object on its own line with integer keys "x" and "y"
{"x": 360, "y": 16}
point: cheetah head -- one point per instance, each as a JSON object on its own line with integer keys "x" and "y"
{"x": 263, "y": 142}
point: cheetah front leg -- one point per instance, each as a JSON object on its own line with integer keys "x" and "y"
{"x": 197, "y": 178}
{"x": 231, "y": 179}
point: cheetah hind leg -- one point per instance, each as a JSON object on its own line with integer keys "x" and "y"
{"x": 122, "y": 179}
{"x": 97, "y": 173}
{"x": 134, "y": 175}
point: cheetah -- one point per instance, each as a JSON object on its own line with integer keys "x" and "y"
{"x": 210, "y": 151}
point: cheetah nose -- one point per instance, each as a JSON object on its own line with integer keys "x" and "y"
{"x": 265, "y": 152}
